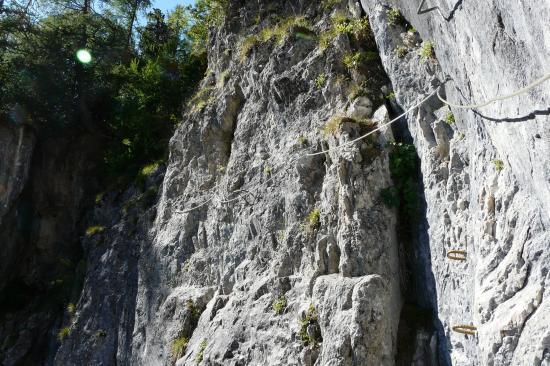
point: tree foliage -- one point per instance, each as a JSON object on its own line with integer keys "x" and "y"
{"x": 132, "y": 91}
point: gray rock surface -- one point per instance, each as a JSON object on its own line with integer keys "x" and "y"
{"x": 251, "y": 253}
{"x": 500, "y": 217}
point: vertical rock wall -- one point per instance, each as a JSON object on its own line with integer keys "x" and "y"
{"x": 487, "y": 175}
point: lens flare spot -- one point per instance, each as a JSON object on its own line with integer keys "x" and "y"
{"x": 84, "y": 56}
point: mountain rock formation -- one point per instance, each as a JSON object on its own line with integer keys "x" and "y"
{"x": 269, "y": 238}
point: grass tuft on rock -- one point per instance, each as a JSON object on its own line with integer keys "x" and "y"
{"x": 279, "y": 305}
{"x": 179, "y": 346}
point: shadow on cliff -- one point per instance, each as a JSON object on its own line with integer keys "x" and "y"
{"x": 527, "y": 117}
{"x": 421, "y": 337}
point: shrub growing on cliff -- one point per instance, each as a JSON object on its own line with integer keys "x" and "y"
{"x": 356, "y": 27}
{"x": 297, "y": 25}
{"x": 179, "y": 345}
{"x": 328, "y": 5}
{"x": 320, "y": 81}
{"x": 279, "y": 305}
{"x": 450, "y": 118}
{"x": 499, "y": 164}
{"x": 92, "y": 230}
{"x": 355, "y": 59}
{"x": 401, "y": 51}
{"x": 200, "y": 354}
{"x": 427, "y": 51}
{"x": 394, "y": 16}
{"x": 63, "y": 333}
{"x": 331, "y": 127}
{"x": 310, "y": 332}
{"x": 312, "y": 221}
{"x": 403, "y": 170}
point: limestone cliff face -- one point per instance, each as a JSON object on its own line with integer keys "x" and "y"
{"x": 501, "y": 217}
{"x": 257, "y": 251}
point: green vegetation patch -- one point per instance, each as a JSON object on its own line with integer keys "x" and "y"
{"x": 63, "y": 333}
{"x": 427, "y": 51}
{"x": 310, "y": 332}
{"x": 328, "y": 5}
{"x": 279, "y": 33}
{"x": 450, "y": 118}
{"x": 279, "y": 305}
{"x": 404, "y": 170}
{"x": 200, "y": 354}
{"x": 332, "y": 126}
{"x": 92, "y": 230}
{"x": 499, "y": 164}
{"x": 320, "y": 81}
{"x": 394, "y": 16}
{"x": 312, "y": 221}
{"x": 179, "y": 346}
{"x": 340, "y": 24}
{"x": 354, "y": 60}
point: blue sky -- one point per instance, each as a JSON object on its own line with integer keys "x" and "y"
{"x": 170, "y": 4}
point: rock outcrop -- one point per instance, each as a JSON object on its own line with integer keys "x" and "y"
{"x": 270, "y": 238}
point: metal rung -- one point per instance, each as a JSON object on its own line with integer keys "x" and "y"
{"x": 423, "y": 11}
{"x": 457, "y": 255}
{"x": 465, "y": 329}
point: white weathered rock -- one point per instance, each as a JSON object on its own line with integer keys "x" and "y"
{"x": 360, "y": 108}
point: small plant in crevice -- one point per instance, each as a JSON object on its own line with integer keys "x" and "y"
{"x": 427, "y": 50}
{"x": 311, "y": 221}
{"x": 353, "y": 60}
{"x": 179, "y": 346}
{"x": 327, "y": 5}
{"x": 302, "y": 140}
{"x": 499, "y": 164}
{"x": 63, "y": 333}
{"x": 394, "y": 16}
{"x": 193, "y": 310}
{"x": 310, "y": 332}
{"x": 401, "y": 51}
{"x": 279, "y": 305}
{"x": 247, "y": 44}
{"x": 201, "y": 99}
{"x": 450, "y": 118}
{"x": 92, "y": 230}
{"x": 71, "y": 309}
{"x": 390, "y": 96}
{"x": 357, "y": 90}
{"x": 149, "y": 169}
{"x": 320, "y": 81}
{"x": 280, "y": 32}
{"x": 403, "y": 170}
{"x": 331, "y": 127}
{"x": 358, "y": 28}
{"x": 200, "y": 354}
{"x": 268, "y": 170}
{"x": 99, "y": 197}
